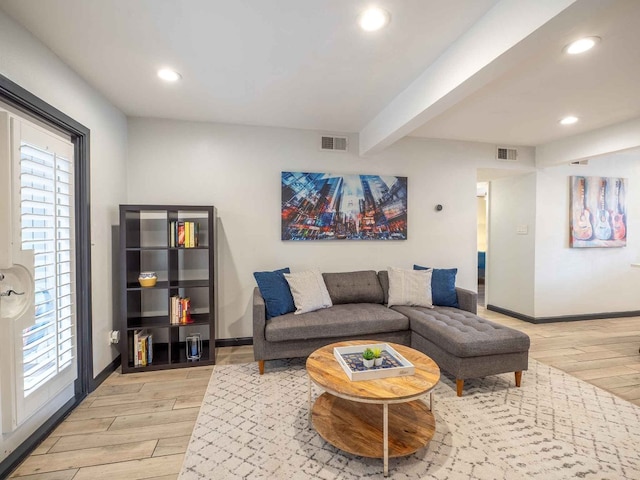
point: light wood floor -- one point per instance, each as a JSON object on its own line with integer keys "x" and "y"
{"x": 137, "y": 426}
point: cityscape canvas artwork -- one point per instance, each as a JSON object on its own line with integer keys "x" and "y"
{"x": 326, "y": 206}
{"x": 598, "y": 212}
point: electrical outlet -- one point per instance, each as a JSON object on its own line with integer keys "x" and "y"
{"x": 114, "y": 336}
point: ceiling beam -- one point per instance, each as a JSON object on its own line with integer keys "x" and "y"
{"x": 615, "y": 138}
{"x": 476, "y": 58}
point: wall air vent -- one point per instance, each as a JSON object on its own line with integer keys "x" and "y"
{"x": 507, "y": 154}
{"x": 581, "y": 162}
{"x": 333, "y": 144}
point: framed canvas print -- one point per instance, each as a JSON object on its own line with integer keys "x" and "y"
{"x": 326, "y": 206}
{"x": 598, "y": 212}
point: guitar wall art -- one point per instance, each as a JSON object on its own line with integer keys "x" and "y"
{"x": 598, "y": 212}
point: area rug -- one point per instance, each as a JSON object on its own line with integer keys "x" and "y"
{"x": 555, "y": 426}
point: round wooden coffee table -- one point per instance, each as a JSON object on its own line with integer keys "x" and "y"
{"x": 378, "y": 418}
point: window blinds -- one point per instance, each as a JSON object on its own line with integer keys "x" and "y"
{"x": 46, "y": 214}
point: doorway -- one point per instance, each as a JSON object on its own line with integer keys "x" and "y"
{"x": 45, "y": 309}
{"x": 37, "y": 280}
{"x": 482, "y": 238}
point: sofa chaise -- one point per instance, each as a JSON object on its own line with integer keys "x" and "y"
{"x": 460, "y": 342}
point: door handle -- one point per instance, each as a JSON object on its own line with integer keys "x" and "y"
{"x": 9, "y": 292}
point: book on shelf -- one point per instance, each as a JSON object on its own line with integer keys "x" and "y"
{"x": 142, "y": 352}
{"x": 173, "y": 309}
{"x": 150, "y": 349}
{"x": 193, "y": 235}
{"x": 180, "y": 234}
{"x": 136, "y": 336}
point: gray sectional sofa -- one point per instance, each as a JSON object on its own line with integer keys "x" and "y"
{"x": 460, "y": 342}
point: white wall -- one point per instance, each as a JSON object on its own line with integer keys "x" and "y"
{"x": 27, "y": 62}
{"x": 574, "y": 281}
{"x": 510, "y": 274}
{"x": 539, "y": 275}
{"x": 237, "y": 169}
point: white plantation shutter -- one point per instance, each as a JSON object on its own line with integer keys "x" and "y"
{"x": 46, "y": 219}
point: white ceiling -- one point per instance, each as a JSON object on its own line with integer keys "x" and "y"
{"x": 306, "y": 64}
{"x": 523, "y": 106}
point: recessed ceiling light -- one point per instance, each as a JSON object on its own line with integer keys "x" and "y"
{"x": 582, "y": 45}
{"x": 374, "y": 19}
{"x": 570, "y": 120}
{"x": 169, "y": 75}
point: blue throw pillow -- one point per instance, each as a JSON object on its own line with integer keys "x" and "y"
{"x": 443, "y": 286}
{"x": 275, "y": 291}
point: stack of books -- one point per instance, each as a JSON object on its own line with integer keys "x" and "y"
{"x": 180, "y": 310}
{"x": 142, "y": 348}
{"x": 184, "y": 234}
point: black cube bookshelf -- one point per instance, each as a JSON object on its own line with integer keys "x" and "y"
{"x": 152, "y": 329}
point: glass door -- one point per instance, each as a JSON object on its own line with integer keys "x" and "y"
{"x": 37, "y": 308}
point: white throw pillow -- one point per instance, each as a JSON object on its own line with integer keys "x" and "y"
{"x": 308, "y": 290}
{"x": 410, "y": 287}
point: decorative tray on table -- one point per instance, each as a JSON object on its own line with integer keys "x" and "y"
{"x": 393, "y": 365}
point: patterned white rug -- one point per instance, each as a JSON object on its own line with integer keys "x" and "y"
{"x": 555, "y": 426}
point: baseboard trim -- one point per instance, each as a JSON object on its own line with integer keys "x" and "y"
{"x": 102, "y": 376}
{"x": 21, "y": 452}
{"x": 234, "y": 342}
{"x": 563, "y": 318}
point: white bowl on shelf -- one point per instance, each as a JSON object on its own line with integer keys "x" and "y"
{"x": 147, "y": 279}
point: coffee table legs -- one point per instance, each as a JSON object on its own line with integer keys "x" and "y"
{"x": 385, "y": 427}
{"x": 385, "y": 437}
{"x": 406, "y": 427}
{"x": 310, "y": 422}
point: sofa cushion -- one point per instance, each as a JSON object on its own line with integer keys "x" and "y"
{"x": 409, "y": 287}
{"x": 464, "y": 334}
{"x": 443, "y": 286}
{"x": 352, "y": 319}
{"x": 275, "y": 292}
{"x": 354, "y": 287}
{"x": 308, "y": 290}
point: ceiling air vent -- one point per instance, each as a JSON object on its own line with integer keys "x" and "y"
{"x": 508, "y": 154}
{"x": 333, "y": 144}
